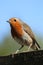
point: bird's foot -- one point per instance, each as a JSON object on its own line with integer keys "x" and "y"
{"x": 12, "y": 55}
{"x": 16, "y": 51}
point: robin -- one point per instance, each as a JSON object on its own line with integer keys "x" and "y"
{"x": 23, "y": 34}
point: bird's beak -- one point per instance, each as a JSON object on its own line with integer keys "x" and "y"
{"x": 8, "y": 21}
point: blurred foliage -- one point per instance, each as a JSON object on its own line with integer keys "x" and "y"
{"x": 9, "y": 45}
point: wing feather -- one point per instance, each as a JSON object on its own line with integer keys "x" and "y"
{"x": 28, "y": 30}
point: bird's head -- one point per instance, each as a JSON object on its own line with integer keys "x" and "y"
{"x": 16, "y": 24}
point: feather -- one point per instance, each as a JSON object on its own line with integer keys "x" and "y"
{"x": 28, "y": 30}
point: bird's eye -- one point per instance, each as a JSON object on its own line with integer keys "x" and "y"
{"x": 15, "y": 20}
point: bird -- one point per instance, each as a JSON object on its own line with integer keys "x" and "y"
{"x": 23, "y": 34}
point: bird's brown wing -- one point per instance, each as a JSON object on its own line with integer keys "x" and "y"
{"x": 28, "y": 30}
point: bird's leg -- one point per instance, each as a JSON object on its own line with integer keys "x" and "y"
{"x": 29, "y": 47}
{"x": 19, "y": 49}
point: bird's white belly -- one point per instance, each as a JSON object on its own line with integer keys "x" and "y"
{"x": 27, "y": 38}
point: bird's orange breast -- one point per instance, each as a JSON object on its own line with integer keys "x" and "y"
{"x": 17, "y": 27}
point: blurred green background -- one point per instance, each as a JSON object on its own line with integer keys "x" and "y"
{"x": 9, "y": 46}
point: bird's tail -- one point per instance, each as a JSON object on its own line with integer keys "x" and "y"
{"x": 36, "y": 46}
